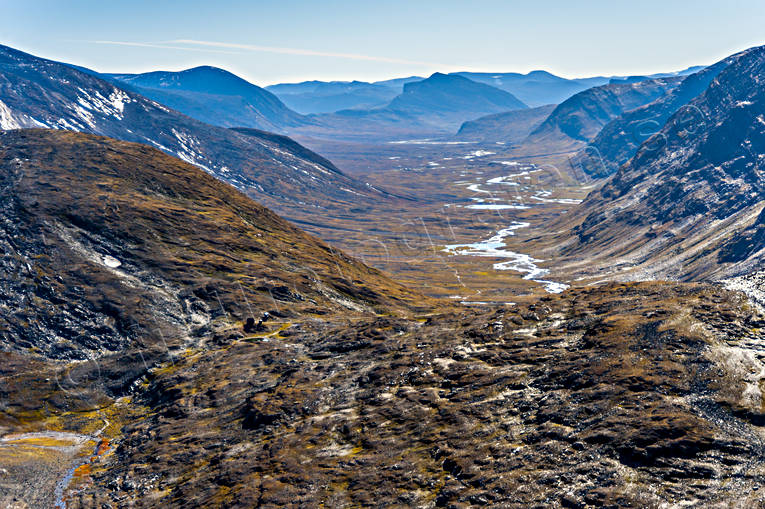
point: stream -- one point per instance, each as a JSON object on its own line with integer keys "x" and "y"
{"x": 495, "y": 246}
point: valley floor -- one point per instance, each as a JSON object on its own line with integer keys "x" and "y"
{"x": 456, "y": 197}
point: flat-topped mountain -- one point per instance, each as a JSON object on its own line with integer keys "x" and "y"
{"x": 447, "y": 99}
{"x": 214, "y": 96}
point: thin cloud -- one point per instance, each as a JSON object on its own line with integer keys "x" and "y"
{"x": 161, "y": 45}
{"x": 304, "y": 52}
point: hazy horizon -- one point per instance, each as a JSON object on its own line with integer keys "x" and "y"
{"x": 269, "y": 42}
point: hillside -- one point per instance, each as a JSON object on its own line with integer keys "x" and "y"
{"x": 618, "y": 141}
{"x": 35, "y": 92}
{"x": 214, "y": 96}
{"x": 580, "y": 118}
{"x": 689, "y": 207}
{"x": 508, "y": 127}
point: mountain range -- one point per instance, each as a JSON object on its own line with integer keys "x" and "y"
{"x": 688, "y": 205}
{"x": 168, "y": 339}
{"x": 35, "y": 92}
{"x": 435, "y": 106}
{"x": 580, "y": 118}
{"x": 618, "y": 141}
{"x": 536, "y": 88}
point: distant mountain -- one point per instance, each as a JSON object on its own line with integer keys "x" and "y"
{"x": 434, "y": 106}
{"x": 538, "y": 88}
{"x": 634, "y": 79}
{"x": 509, "y": 127}
{"x": 214, "y": 96}
{"x": 689, "y": 204}
{"x": 35, "y": 92}
{"x": 327, "y": 97}
{"x": 398, "y": 83}
{"x": 448, "y": 100}
{"x": 580, "y": 118}
{"x": 618, "y": 141}
{"x": 331, "y": 96}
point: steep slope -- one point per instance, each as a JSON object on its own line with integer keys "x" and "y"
{"x": 35, "y": 92}
{"x": 579, "y": 119}
{"x": 119, "y": 214}
{"x": 508, "y": 127}
{"x": 327, "y": 97}
{"x": 214, "y": 96}
{"x": 688, "y": 207}
{"x": 618, "y": 141}
{"x": 450, "y": 100}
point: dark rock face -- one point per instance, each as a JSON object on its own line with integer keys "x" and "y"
{"x": 703, "y": 185}
{"x": 35, "y": 92}
{"x": 746, "y": 244}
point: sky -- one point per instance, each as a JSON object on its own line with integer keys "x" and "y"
{"x": 270, "y": 42}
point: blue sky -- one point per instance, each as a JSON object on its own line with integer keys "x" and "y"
{"x": 284, "y": 41}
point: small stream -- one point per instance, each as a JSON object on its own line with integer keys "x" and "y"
{"x": 519, "y": 262}
{"x": 495, "y": 246}
{"x": 76, "y": 442}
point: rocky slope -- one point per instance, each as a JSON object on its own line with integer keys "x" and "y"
{"x": 507, "y": 127}
{"x": 622, "y": 396}
{"x": 580, "y": 118}
{"x": 214, "y": 96}
{"x": 135, "y": 289}
{"x": 618, "y": 141}
{"x": 35, "y": 92}
{"x": 688, "y": 204}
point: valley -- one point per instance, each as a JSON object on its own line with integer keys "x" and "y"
{"x": 459, "y": 193}
{"x": 457, "y": 290}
